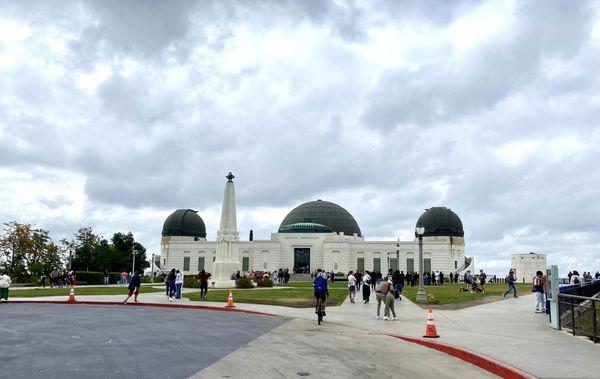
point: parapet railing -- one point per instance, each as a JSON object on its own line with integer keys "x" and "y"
{"x": 579, "y": 313}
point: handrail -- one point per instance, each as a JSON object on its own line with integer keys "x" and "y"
{"x": 579, "y": 297}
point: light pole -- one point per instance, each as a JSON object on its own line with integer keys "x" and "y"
{"x": 398, "y": 255}
{"x": 133, "y": 269}
{"x": 153, "y": 265}
{"x": 421, "y": 295}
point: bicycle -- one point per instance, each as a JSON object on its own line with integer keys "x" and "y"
{"x": 319, "y": 310}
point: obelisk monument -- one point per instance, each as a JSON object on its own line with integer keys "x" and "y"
{"x": 227, "y": 260}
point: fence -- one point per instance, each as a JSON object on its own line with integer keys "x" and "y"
{"x": 578, "y": 309}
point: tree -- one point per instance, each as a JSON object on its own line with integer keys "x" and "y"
{"x": 83, "y": 249}
{"x": 27, "y": 252}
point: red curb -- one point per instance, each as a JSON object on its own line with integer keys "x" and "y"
{"x": 160, "y": 305}
{"x": 489, "y": 364}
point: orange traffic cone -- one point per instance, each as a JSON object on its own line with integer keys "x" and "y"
{"x": 72, "y": 296}
{"x": 430, "y": 332}
{"x": 230, "y": 301}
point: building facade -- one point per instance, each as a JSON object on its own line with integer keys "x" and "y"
{"x": 318, "y": 234}
{"x": 526, "y": 265}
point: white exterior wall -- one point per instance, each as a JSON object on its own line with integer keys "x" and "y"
{"x": 327, "y": 249}
{"x": 526, "y": 265}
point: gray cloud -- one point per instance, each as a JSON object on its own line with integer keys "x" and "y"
{"x": 114, "y": 114}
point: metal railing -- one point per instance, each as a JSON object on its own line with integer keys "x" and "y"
{"x": 579, "y": 308}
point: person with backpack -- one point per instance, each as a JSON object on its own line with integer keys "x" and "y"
{"x": 538, "y": 290}
{"x": 320, "y": 288}
{"x": 170, "y": 281}
{"x": 510, "y": 279}
{"x": 203, "y": 277}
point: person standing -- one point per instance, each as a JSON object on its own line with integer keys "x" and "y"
{"x": 451, "y": 278}
{"x": 366, "y": 290}
{"x": 4, "y": 286}
{"x": 389, "y": 311}
{"x": 106, "y": 277}
{"x": 358, "y": 277}
{"x": 123, "y": 278}
{"x": 134, "y": 287}
{"x": 380, "y": 292}
{"x": 510, "y": 279}
{"x": 482, "y": 278}
{"x": 171, "y": 284}
{"x": 351, "y": 286}
{"x": 397, "y": 281}
{"x": 538, "y": 290}
{"x": 178, "y": 284}
{"x": 437, "y": 278}
{"x": 575, "y": 277}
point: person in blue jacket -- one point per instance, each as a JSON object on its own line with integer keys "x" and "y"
{"x": 320, "y": 286}
{"x": 134, "y": 287}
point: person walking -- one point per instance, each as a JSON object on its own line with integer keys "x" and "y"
{"x": 366, "y": 290}
{"x": 203, "y": 277}
{"x": 398, "y": 281}
{"x": 134, "y": 287}
{"x": 4, "y": 286}
{"x": 351, "y": 286}
{"x": 538, "y": 290}
{"x": 381, "y": 291}
{"x": 106, "y": 277}
{"x": 178, "y": 284}
{"x": 171, "y": 284}
{"x": 123, "y": 278}
{"x": 510, "y": 279}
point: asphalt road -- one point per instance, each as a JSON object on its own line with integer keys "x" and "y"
{"x": 85, "y": 341}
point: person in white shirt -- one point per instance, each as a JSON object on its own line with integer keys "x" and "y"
{"x": 178, "y": 284}
{"x": 351, "y": 286}
{"x": 366, "y": 290}
{"x": 4, "y": 284}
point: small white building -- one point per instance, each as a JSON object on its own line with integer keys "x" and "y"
{"x": 318, "y": 234}
{"x": 526, "y": 265}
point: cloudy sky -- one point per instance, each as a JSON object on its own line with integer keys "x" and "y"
{"x": 113, "y": 114}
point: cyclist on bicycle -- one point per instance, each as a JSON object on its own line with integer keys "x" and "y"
{"x": 321, "y": 292}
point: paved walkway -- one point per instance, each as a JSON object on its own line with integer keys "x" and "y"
{"x": 507, "y": 330}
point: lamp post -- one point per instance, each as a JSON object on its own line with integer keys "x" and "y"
{"x": 421, "y": 295}
{"x": 133, "y": 269}
{"x": 153, "y": 265}
{"x": 398, "y": 255}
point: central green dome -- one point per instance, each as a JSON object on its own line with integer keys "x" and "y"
{"x": 325, "y": 213}
{"x": 441, "y": 221}
{"x": 184, "y": 222}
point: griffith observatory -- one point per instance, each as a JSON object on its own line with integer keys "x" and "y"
{"x": 316, "y": 234}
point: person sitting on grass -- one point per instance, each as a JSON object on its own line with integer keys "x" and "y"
{"x": 134, "y": 287}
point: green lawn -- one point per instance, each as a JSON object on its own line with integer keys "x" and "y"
{"x": 39, "y": 292}
{"x": 448, "y": 293}
{"x": 289, "y": 297}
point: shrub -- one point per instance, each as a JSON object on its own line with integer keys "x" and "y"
{"x": 190, "y": 281}
{"x": 244, "y": 282}
{"x": 265, "y": 282}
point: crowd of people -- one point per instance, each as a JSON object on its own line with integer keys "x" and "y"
{"x": 575, "y": 278}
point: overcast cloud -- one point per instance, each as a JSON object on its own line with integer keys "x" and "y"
{"x": 113, "y": 114}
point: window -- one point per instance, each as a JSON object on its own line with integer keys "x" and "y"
{"x": 335, "y": 266}
{"x": 200, "y": 263}
{"x": 377, "y": 264}
{"x": 427, "y": 264}
{"x": 264, "y": 265}
{"x": 455, "y": 265}
{"x": 245, "y": 263}
{"x": 410, "y": 264}
{"x": 214, "y": 258}
{"x": 186, "y": 263}
{"x": 360, "y": 264}
{"x": 393, "y": 264}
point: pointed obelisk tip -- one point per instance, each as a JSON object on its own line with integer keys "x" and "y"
{"x": 230, "y": 177}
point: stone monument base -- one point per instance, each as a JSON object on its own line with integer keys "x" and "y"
{"x": 222, "y": 272}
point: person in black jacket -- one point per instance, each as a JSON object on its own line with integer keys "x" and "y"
{"x": 134, "y": 287}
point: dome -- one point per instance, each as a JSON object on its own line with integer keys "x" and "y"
{"x": 325, "y": 213}
{"x": 441, "y": 221}
{"x": 304, "y": 227}
{"x": 184, "y": 222}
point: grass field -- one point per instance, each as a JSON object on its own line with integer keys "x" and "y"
{"x": 449, "y": 293}
{"x": 40, "y": 292}
{"x": 293, "y": 296}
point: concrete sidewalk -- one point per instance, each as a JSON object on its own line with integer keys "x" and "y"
{"x": 506, "y": 330}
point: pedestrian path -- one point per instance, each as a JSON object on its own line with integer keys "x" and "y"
{"x": 507, "y": 330}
